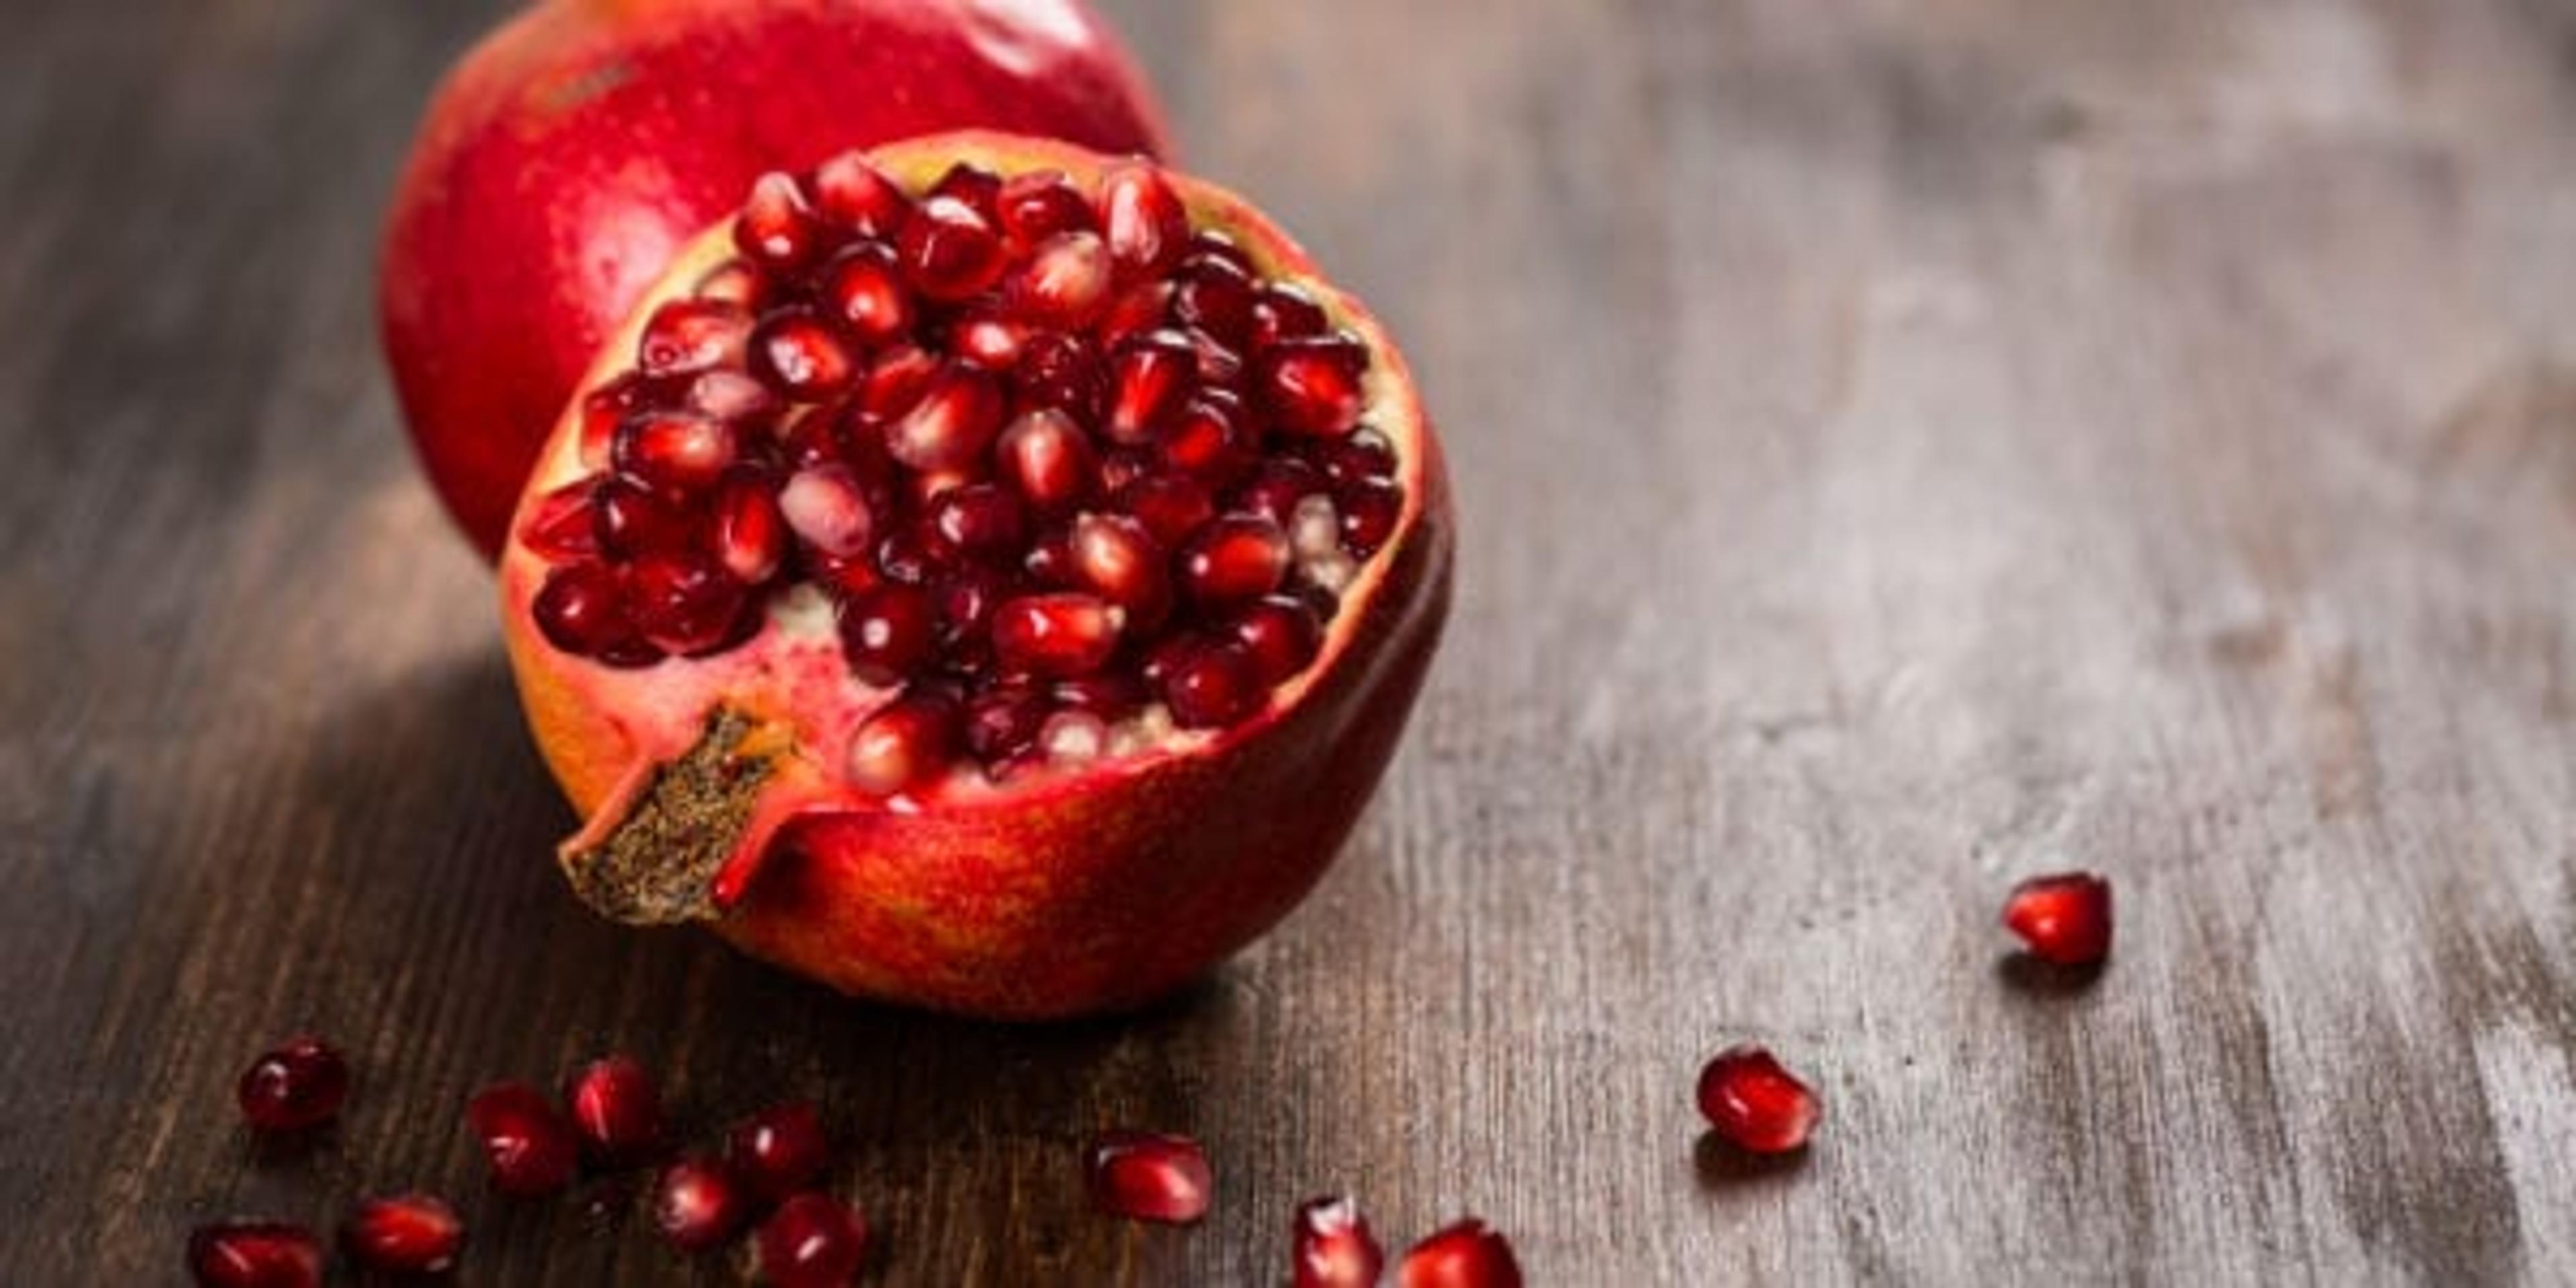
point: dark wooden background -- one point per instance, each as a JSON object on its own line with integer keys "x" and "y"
{"x": 1901, "y": 447}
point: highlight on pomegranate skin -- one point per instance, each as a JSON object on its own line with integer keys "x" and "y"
{"x": 2063, "y": 918}
{"x": 1754, "y": 1103}
{"x": 985, "y": 525}
{"x": 1149, "y": 1176}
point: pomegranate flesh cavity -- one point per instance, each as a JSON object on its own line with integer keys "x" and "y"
{"x": 1014, "y": 617}
{"x": 2064, "y": 919}
{"x": 1756, "y": 1104}
{"x": 570, "y": 154}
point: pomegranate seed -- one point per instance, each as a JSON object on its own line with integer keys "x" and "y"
{"x": 530, "y": 1147}
{"x": 948, "y": 251}
{"x": 857, "y": 196}
{"x": 1205, "y": 443}
{"x": 1003, "y": 723}
{"x": 966, "y": 598}
{"x": 1216, "y": 243}
{"x": 1753, "y": 1102}
{"x": 1114, "y": 555}
{"x": 735, "y": 281}
{"x": 1048, "y": 459}
{"x": 1146, "y": 306}
{"x": 617, "y": 1109}
{"x": 1213, "y": 686}
{"x": 1369, "y": 510}
{"x": 1149, "y": 379}
{"x": 980, "y": 521}
{"x": 1214, "y": 295}
{"x": 1073, "y": 737}
{"x": 563, "y": 527}
{"x": 905, "y": 557}
{"x": 255, "y": 1254}
{"x": 1124, "y": 465}
{"x": 983, "y": 337}
{"x": 631, "y": 520}
{"x": 750, "y": 533}
{"x": 2064, "y": 918}
{"x": 1057, "y": 635}
{"x": 414, "y": 1234}
{"x": 777, "y": 229}
{"x": 887, "y": 632}
{"x": 1281, "y": 634}
{"x": 1062, "y": 372}
{"x": 301, "y": 1084}
{"x": 698, "y": 1204}
{"x": 688, "y": 336}
{"x": 1149, "y": 1176}
{"x": 956, "y": 419}
{"x": 902, "y": 744}
{"x": 1276, "y": 488}
{"x": 780, "y": 1150}
{"x": 1333, "y": 1247}
{"x": 605, "y": 408}
{"x": 865, "y": 293}
{"x": 1171, "y": 508}
{"x": 581, "y": 609}
{"x": 1039, "y": 204}
{"x": 1065, "y": 281}
{"x": 732, "y": 396}
{"x": 1364, "y": 455}
{"x": 1284, "y": 311}
{"x": 1312, "y": 385}
{"x": 1234, "y": 560}
{"x": 803, "y": 357}
{"x": 1465, "y": 1254}
{"x": 896, "y": 380}
{"x": 1142, "y": 219}
{"x": 1108, "y": 694}
{"x": 683, "y": 601}
{"x": 678, "y": 452}
{"x": 974, "y": 185}
{"x": 827, "y": 508}
{"x": 812, "y": 1241}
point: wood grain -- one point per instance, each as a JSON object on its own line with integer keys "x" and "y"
{"x": 1901, "y": 447}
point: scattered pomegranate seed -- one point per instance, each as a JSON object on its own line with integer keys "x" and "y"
{"x": 531, "y": 1148}
{"x": 2063, "y": 918}
{"x": 254, "y": 1254}
{"x": 812, "y": 1241}
{"x": 698, "y": 1203}
{"x": 403, "y": 1234}
{"x": 301, "y": 1084}
{"x": 1465, "y": 1254}
{"x": 1333, "y": 1247}
{"x": 616, "y": 1108}
{"x": 780, "y": 1150}
{"x": 1149, "y": 1176}
{"x": 1756, "y": 1104}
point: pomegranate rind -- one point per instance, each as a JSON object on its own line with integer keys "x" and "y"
{"x": 1064, "y": 892}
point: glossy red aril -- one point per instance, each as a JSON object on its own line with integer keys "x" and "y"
{"x": 616, "y": 1107}
{"x": 414, "y": 1234}
{"x": 779, "y": 1150}
{"x": 2063, "y": 918}
{"x": 255, "y": 1254}
{"x": 299, "y": 1085}
{"x": 1149, "y": 1176}
{"x": 812, "y": 1241}
{"x": 1464, "y": 1254}
{"x": 698, "y": 1203}
{"x": 991, "y": 541}
{"x": 1332, "y": 1246}
{"x": 527, "y": 1142}
{"x": 1755, "y": 1103}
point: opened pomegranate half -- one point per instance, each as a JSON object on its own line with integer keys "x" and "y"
{"x": 982, "y": 574}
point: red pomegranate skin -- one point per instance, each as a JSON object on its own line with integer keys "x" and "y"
{"x": 573, "y": 150}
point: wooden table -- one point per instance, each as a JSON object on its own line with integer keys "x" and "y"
{"x": 1901, "y": 447}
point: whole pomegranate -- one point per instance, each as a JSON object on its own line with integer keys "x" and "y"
{"x": 982, "y": 574}
{"x": 571, "y": 152}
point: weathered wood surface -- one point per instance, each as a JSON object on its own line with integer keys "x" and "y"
{"x": 1902, "y": 446}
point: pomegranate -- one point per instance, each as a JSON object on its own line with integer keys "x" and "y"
{"x": 812, "y": 1241}
{"x": 2063, "y": 918}
{"x": 698, "y": 1203}
{"x": 1463, "y": 1254}
{"x": 616, "y": 1108}
{"x": 569, "y": 155}
{"x": 1149, "y": 1176}
{"x": 779, "y": 1150}
{"x": 299, "y": 1085}
{"x": 529, "y": 1145}
{"x": 1756, "y": 1104}
{"x": 255, "y": 1254}
{"x": 1051, "y": 671}
{"x": 414, "y": 1234}
{"x": 1332, "y": 1246}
